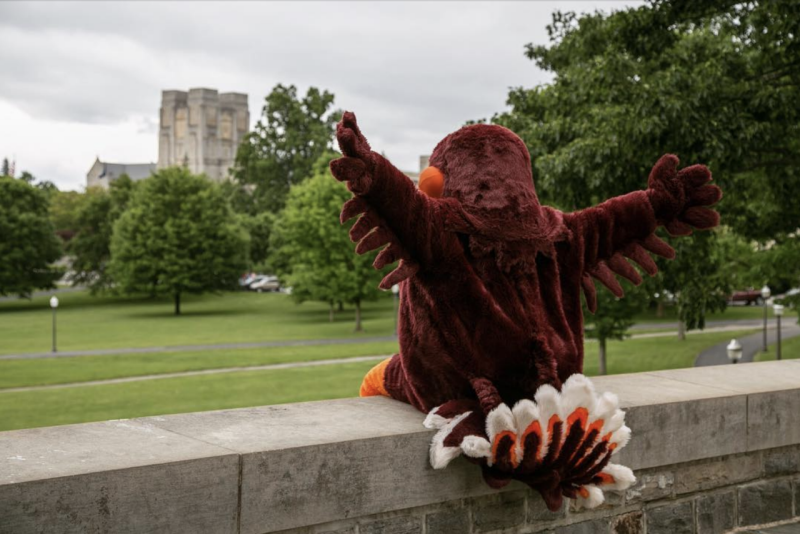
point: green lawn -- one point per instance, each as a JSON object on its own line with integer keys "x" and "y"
{"x": 790, "y": 350}
{"x": 177, "y": 395}
{"x": 252, "y": 388}
{"x": 86, "y": 322}
{"x": 38, "y": 372}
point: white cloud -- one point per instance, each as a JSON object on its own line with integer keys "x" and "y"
{"x": 82, "y": 79}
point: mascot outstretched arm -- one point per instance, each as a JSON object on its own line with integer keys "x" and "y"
{"x": 490, "y": 326}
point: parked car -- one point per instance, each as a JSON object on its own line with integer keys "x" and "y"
{"x": 748, "y": 297}
{"x": 245, "y": 281}
{"x": 265, "y": 283}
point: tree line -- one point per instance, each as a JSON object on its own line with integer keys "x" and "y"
{"x": 714, "y": 82}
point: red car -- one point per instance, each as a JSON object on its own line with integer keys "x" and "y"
{"x": 748, "y": 296}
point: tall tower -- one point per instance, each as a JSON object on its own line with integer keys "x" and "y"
{"x": 202, "y": 129}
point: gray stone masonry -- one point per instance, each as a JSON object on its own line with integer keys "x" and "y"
{"x": 715, "y": 450}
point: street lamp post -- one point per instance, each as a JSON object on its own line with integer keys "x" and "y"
{"x": 395, "y": 297}
{"x": 734, "y": 351}
{"x": 778, "y": 310}
{"x": 54, "y": 305}
{"x": 765, "y": 293}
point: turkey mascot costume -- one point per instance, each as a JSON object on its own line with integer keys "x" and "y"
{"x": 490, "y": 325}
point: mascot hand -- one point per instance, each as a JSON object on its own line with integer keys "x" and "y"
{"x": 357, "y": 165}
{"x": 680, "y": 199}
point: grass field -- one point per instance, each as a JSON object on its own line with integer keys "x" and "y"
{"x": 21, "y": 373}
{"x": 86, "y": 322}
{"x": 790, "y": 350}
{"x": 247, "y": 388}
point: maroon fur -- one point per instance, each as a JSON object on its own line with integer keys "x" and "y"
{"x": 490, "y": 280}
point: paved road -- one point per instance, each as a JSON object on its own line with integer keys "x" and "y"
{"x": 743, "y": 323}
{"x": 274, "y": 366}
{"x": 751, "y": 345}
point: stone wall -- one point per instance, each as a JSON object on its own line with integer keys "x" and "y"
{"x": 715, "y": 450}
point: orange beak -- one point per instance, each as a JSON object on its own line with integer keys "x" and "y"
{"x": 431, "y": 182}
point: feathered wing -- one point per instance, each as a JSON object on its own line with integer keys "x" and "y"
{"x": 560, "y": 443}
{"x": 623, "y": 228}
{"x": 392, "y": 210}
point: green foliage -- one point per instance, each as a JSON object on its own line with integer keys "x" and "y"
{"x": 713, "y": 82}
{"x": 260, "y": 228}
{"x": 178, "y": 235}
{"x": 613, "y": 317}
{"x": 28, "y": 245}
{"x": 290, "y": 136}
{"x": 4, "y": 170}
{"x": 64, "y": 209}
{"x": 91, "y": 246}
{"x": 311, "y": 250}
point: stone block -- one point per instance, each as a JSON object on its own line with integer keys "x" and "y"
{"x": 717, "y": 472}
{"x": 501, "y": 511}
{"x": 447, "y": 522}
{"x": 192, "y": 497}
{"x": 394, "y": 525}
{"x": 632, "y": 523}
{"x": 782, "y": 461}
{"x": 671, "y": 519}
{"x": 748, "y": 378}
{"x": 796, "y": 484}
{"x": 115, "y": 476}
{"x": 539, "y": 513}
{"x": 765, "y": 502}
{"x": 304, "y": 464}
{"x": 773, "y": 420}
{"x": 678, "y": 432}
{"x": 650, "y": 486}
{"x": 716, "y": 513}
{"x": 596, "y": 526}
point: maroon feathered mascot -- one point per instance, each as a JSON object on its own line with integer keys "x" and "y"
{"x": 490, "y": 326}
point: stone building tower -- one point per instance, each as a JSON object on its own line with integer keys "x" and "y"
{"x": 202, "y": 129}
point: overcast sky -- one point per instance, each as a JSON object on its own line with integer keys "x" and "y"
{"x": 81, "y": 80}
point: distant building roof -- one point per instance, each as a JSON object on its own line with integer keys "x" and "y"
{"x": 136, "y": 171}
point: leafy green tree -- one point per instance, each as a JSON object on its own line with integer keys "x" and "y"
{"x": 91, "y": 246}
{"x": 290, "y": 136}
{"x": 311, "y": 250}
{"x": 64, "y": 209}
{"x": 28, "y": 245}
{"x": 613, "y": 317}
{"x": 714, "y": 82}
{"x": 178, "y": 235}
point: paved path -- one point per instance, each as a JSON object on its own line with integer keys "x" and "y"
{"x": 751, "y": 345}
{"x": 274, "y": 366}
{"x": 743, "y": 324}
{"x": 191, "y": 348}
{"x": 718, "y": 326}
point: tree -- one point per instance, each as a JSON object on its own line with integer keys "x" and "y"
{"x": 714, "y": 82}
{"x": 311, "y": 250}
{"x": 4, "y": 171}
{"x": 64, "y": 209}
{"x": 290, "y": 136}
{"x": 613, "y": 318}
{"x": 178, "y": 235}
{"x": 28, "y": 245}
{"x": 91, "y": 246}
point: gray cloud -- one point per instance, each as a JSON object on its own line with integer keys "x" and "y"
{"x": 413, "y": 71}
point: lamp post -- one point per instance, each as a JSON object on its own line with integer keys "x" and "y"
{"x": 778, "y": 310}
{"x": 765, "y": 293}
{"x": 395, "y": 297}
{"x": 734, "y": 351}
{"x": 54, "y": 305}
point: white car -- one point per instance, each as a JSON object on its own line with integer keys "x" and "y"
{"x": 265, "y": 283}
